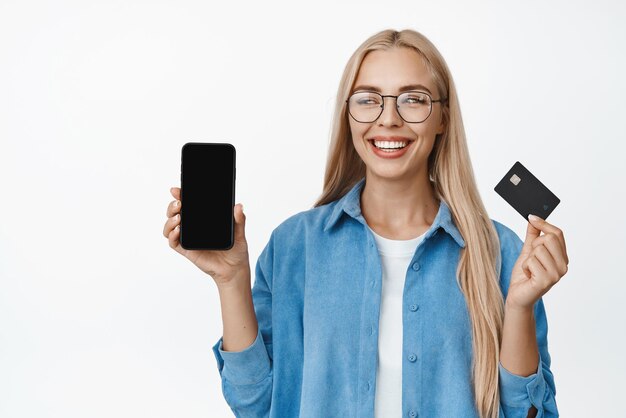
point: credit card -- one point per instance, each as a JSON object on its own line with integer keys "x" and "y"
{"x": 522, "y": 190}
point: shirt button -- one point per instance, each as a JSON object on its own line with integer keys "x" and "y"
{"x": 416, "y": 266}
{"x": 412, "y": 357}
{"x": 367, "y": 386}
{"x": 414, "y": 307}
{"x": 371, "y": 330}
{"x": 412, "y": 414}
{"x": 372, "y": 283}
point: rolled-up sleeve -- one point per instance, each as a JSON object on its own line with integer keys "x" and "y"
{"x": 246, "y": 367}
{"x": 247, "y": 374}
{"x": 519, "y": 393}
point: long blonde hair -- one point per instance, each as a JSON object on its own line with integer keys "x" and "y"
{"x": 451, "y": 172}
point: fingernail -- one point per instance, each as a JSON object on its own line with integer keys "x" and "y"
{"x": 176, "y": 204}
{"x": 533, "y": 217}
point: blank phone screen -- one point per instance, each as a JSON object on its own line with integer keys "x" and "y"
{"x": 207, "y": 196}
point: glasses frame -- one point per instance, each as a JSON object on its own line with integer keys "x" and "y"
{"x": 382, "y": 104}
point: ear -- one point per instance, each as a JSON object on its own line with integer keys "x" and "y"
{"x": 442, "y": 125}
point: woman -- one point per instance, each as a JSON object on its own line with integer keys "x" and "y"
{"x": 396, "y": 294}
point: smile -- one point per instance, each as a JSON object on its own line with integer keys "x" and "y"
{"x": 390, "y": 149}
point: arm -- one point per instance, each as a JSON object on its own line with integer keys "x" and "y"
{"x": 526, "y": 382}
{"x": 244, "y": 353}
{"x": 519, "y": 353}
{"x": 239, "y": 321}
{"x": 523, "y": 393}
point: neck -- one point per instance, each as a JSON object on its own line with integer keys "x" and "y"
{"x": 399, "y": 208}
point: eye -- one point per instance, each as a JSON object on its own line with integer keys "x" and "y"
{"x": 415, "y": 99}
{"x": 367, "y": 99}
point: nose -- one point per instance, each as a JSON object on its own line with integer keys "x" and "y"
{"x": 390, "y": 115}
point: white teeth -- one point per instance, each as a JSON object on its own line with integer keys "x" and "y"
{"x": 390, "y": 144}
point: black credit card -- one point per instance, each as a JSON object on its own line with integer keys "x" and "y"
{"x": 522, "y": 190}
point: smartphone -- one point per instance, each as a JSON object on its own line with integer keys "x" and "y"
{"x": 207, "y": 183}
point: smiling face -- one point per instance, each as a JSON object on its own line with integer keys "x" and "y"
{"x": 389, "y": 71}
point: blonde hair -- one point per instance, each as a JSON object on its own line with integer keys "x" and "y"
{"x": 453, "y": 181}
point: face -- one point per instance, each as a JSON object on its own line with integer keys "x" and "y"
{"x": 389, "y": 71}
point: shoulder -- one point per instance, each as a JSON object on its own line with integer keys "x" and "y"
{"x": 310, "y": 221}
{"x": 509, "y": 240}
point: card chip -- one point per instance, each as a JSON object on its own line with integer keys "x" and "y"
{"x": 515, "y": 180}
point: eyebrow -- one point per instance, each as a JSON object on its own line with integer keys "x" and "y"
{"x": 403, "y": 88}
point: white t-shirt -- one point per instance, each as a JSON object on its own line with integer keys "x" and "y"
{"x": 395, "y": 257}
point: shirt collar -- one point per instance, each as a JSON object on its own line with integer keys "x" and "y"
{"x": 350, "y": 203}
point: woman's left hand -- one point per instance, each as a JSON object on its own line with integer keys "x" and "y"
{"x": 541, "y": 264}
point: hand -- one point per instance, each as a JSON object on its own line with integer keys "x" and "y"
{"x": 222, "y": 266}
{"x": 541, "y": 264}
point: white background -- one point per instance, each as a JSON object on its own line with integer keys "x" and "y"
{"x": 100, "y": 318}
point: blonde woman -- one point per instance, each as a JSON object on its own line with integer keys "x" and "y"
{"x": 395, "y": 295}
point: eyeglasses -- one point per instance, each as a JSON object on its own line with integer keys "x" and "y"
{"x": 413, "y": 106}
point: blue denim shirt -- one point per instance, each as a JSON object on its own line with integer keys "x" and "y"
{"x": 317, "y": 293}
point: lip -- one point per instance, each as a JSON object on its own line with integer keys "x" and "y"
{"x": 386, "y": 154}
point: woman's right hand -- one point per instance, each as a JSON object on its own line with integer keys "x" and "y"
{"x": 222, "y": 266}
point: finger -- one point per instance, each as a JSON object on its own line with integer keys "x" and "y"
{"x": 173, "y": 208}
{"x": 546, "y": 227}
{"x": 551, "y": 276}
{"x": 531, "y": 234}
{"x": 555, "y": 246}
{"x": 526, "y": 266}
{"x": 535, "y": 267}
{"x": 240, "y": 222}
{"x": 175, "y": 191}
{"x": 173, "y": 238}
{"x": 526, "y": 270}
{"x": 171, "y": 224}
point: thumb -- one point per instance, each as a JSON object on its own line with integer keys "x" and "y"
{"x": 531, "y": 234}
{"x": 240, "y": 223}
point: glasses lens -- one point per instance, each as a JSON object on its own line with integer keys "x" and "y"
{"x": 365, "y": 106}
{"x": 414, "y": 106}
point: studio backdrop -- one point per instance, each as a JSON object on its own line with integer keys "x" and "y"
{"x": 99, "y": 317}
